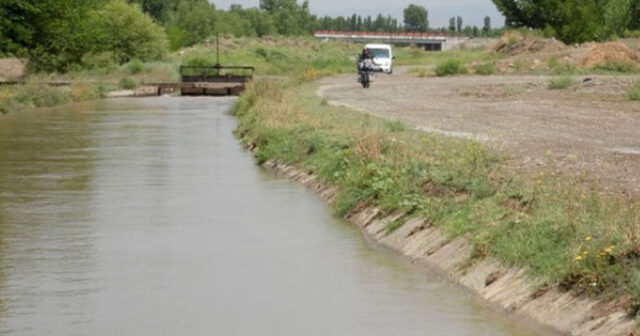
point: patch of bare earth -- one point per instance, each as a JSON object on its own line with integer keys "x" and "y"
{"x": 588, "y": 131}
{"x": 11, "y": 68}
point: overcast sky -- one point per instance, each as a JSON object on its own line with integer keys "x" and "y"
{"x": 472, "y": 11}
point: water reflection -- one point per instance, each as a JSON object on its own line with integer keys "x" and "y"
{"x": 145, "y": 217}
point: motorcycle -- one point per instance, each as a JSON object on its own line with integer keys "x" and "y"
{"x": 365, "y": 73}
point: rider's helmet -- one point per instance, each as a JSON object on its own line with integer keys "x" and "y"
{"x": 366, "y": 53}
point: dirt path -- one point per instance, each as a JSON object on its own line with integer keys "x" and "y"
{"x": 588, "y": 130}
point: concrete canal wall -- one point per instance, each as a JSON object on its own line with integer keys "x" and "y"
{"x": 509, "y": 290}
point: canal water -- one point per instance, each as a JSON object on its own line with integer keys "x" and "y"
{"x": 145, "y": 217}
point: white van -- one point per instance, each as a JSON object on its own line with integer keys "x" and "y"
{"x": 382, "y": 57}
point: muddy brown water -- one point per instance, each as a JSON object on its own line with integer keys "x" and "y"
{"x": 145, "y": 217}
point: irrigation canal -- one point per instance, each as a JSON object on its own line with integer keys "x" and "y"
{"x": 146, "y": 217}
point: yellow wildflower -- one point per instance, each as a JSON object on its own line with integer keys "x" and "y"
{"x": 585, "y": 252}
{"x": 588, "y": 238}
{"x": 578, "y": 258}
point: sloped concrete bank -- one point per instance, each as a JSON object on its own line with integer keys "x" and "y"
{"x": 510, "y": 290}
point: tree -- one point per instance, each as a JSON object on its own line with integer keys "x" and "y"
{"x": 158, "y": 9}
{"x": 380, "y": 23}
{"x": 261, "y": 22}
{"x": 416, "y": 18}
{"x": 194, "y": 19}
{"x": 270, "y": 5}
{"x": 45, "y": 31}
{"x": 126, "y": 32}
{"x": 617, "y": 17}
{"x": 635, "y": 15}
{"x": 353, "y": 22}
{"x": 289, "y": 17}
{"x": 459, "y": 24}
{"x": 487, "y": 25}
{"x": 368, "y": 23}
{"x": 468, "y": 31}
{"x": 572, "y": 21}
{"x": 452, "y": 24}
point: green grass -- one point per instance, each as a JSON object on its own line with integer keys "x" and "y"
{"x": 541, "y": 223}
{"x": 396, "y": 125}
{"x": 127, "y": 83}
{"x": 617, "y": 67}
{"x": 634, "y": 92}
{"x": 558, "y": 67}
{"x": 417, "y": 56}
{"x": 560, "y": 83}
{"x": 488, "y": 68}
{"x": 450, "y": 67}
{"x": 420, "y": 72}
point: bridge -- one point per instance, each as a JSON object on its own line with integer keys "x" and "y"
{"x": 429, "y": 41}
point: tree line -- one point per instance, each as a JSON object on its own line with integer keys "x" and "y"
{"x": 415, "y": 19}
{"x": 574, "y": 21}
{"x": 59, "y": 35}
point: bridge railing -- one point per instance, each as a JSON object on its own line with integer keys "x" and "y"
{"x": 333, "y": 33}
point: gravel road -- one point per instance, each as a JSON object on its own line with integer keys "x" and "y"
{"x": 589, "y": 130}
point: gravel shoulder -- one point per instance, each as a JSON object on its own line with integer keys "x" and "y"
{"x": 588, "y": 131}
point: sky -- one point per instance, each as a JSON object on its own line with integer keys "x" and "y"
{"x": 471, "y": 11}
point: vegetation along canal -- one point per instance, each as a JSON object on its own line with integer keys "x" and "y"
{"x": 146, "y": 217}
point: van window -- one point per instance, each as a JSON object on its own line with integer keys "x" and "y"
{"x": 379, "y": 53}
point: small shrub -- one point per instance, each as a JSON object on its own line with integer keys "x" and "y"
{"x": 564, "y": 68}
{"x": 618, "y": 67}
{"x": 422, "y": 72}
{"x": 561, "y": 83}
{"x": 25, "y": 94}
{"x": 634, "y": 93}
{"x": 553, "y": 62}
{"x": 199, "y": 61}
{"x": 127, "y": 83}
{"x": 522, "y": 65}
{"x": 101, "y": 60}
{"x": 558, "y": 67}
{"x": 135, "y": 67}
{"x": 7, "y": 102}
{"x": 47, "y": 96}
{"x": 82, "y": 91}
{"x": 103, "y": 89}
{"x": 396, "y": 126}
{"x": 262, "y": 52}
{"x": 450, "y": 67}
{"x": 487, "y": 69}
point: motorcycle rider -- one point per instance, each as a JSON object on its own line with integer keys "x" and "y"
{"x": 365, "y": 65}
{"x": 363, "y": 59}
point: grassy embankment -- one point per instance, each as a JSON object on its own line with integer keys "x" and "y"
{"x": 93, "y": 82}
{"x": 569, "y": 235}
